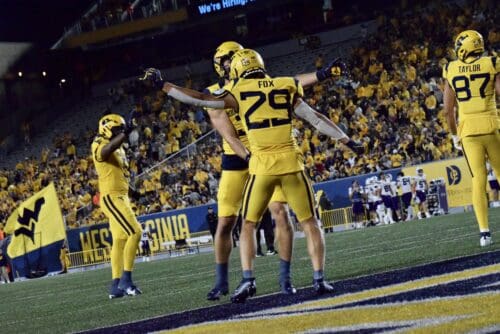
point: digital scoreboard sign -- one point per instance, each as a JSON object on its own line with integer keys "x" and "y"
{"x": 202, "y": 8}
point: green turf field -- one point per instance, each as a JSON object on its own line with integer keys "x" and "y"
{"x": 79, "y": 301}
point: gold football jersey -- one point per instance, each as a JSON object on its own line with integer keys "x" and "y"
{"x": 474, "y": 87}
{"x": 113, "y": 173}
{"x": 265, "y": 107}
{"x": 233, "y": 117}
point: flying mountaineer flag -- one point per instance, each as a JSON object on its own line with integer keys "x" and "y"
{"x": 37, "y": 233}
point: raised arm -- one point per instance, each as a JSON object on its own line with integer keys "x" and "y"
{"x": 195, "y": 98}
{"x": 325, "y": 125}
{"x": 113, "y": 144}
{"x": 334, "y": 69}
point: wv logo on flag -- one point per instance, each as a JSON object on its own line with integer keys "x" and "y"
{"x": 454, "y": 175}
{"x": 38, "y": 232}
{"x": 29, "y": 229}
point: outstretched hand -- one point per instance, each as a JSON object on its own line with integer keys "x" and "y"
{"x": 335, "y": 68}
{"x": 154, "y": 76}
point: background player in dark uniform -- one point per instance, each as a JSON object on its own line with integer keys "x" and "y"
{"x": 357, "y": 197}
{"x": 266, "y": 225}
{"x": 145, "y": 243}
{"x": 211, "y": 219}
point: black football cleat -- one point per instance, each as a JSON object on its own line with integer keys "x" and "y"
{"x": 216, "y": 293}
{"x": 287, "y": 288}
{"x": 116, "y": 292}
{"x": 130, "y": 290}
{"x": 246, "y": 289}
{"x": 322, "y": 287}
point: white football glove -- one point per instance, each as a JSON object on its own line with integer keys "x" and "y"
{"x": 456, "y": 142}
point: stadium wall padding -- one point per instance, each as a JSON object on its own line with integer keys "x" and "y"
{"x": 180, "y": 224}
{"x": 337, "y": 191}
{"x": 164, "y": 226}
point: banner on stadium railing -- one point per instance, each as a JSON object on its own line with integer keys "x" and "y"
{"x": 164, "y": 226}
{"x": 338, "y": 190}
{"x": 456, "y": 175}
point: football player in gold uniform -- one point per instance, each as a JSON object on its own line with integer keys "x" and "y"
{"x": 471, "y": 84}
{"x": 264, "y": 105}
{"x": 111, "y": 165}
{"x": 234, "y": 175}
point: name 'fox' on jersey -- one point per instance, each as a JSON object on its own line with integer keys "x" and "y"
{"x": 474, "y": 87}
{"x": 113, "y": 173}
{"x": 265, "y": 107}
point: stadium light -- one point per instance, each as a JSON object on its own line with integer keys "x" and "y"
{"x": 20, "y": 74}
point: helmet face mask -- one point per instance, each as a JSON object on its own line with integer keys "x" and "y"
{"x": 111, "y": 124}
{"x": 223, "y": 53}
{"x": 468, "y": 43}
{"x": 245, "y": 63}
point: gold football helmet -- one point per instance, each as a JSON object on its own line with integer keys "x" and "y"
{"x": 467, "y": 43}
{"x": 246, "y": 62}
{"x": 108, "y": 122}
{"x": 223, "y": 52}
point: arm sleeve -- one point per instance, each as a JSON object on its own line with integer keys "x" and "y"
{"x": 304, "y": 111}
{"x": 185, "y": 98}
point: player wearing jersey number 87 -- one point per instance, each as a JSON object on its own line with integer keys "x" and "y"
{"x": 471, "y": 84}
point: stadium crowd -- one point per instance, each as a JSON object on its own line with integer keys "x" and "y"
{"x": 392, "y": 103}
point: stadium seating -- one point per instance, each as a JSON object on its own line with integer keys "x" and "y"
{"x": 386, "y": 103}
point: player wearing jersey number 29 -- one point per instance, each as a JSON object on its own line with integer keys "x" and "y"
{"x": 265, "y": 105}
{"x": 471, "y": 84}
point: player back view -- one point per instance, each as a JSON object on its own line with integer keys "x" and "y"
{"x": 471, "y": 82}
{"x": 230, "y": 193}
{"x": 265, "y": 105}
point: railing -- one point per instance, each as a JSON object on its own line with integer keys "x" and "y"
{"x": 336, "y": 217}
{"x": 171, "y": 248}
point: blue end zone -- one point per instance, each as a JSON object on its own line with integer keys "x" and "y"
{"x": 226, "y": 311}
{"x": 45, "y": 259}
